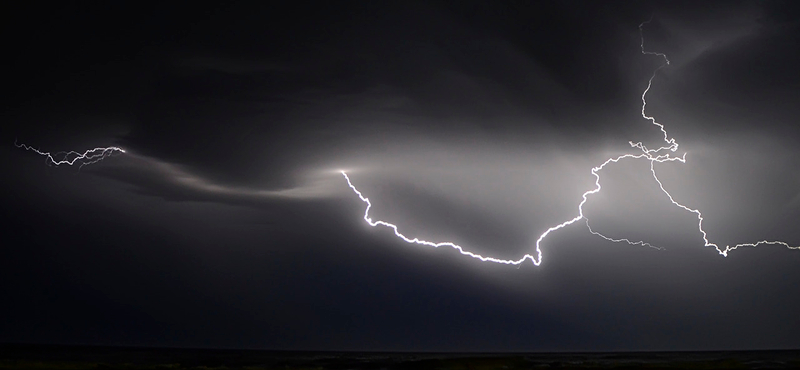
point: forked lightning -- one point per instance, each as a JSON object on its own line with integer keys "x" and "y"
{"x": 651, "y": 155}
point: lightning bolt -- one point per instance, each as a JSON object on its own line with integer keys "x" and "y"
{"x": 536, "y": 260}
{"x": 652, "y": 155}
{"x": 71, "y": 157}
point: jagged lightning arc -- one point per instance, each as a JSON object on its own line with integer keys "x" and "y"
{"x": 71, "y": 158}
{"x": 652, "y": 155}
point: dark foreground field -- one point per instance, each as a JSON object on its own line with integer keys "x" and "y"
{"x": 86, "y": 357}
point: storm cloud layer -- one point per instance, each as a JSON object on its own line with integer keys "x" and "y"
{"x": 228, "y": 224}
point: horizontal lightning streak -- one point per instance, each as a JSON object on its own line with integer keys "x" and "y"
{"x": 87, "y": 157}
{"x": 649, "y": 154}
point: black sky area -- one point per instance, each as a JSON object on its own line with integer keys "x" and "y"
{"x": 226, "y": 224}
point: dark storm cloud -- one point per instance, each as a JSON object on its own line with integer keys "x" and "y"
{"x": 231, "y": 66}
{"x": 344, "y": 107}
{"x": 229, "y": 225}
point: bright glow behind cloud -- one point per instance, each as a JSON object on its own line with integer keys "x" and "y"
{"x": 653, "y": 155}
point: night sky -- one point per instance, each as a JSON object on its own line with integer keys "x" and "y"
{"x": 226, "y": 223}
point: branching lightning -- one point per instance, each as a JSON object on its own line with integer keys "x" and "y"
{"x": 71, "y": 158}
{"x": 652, "y": 155}
{"x": 661, "y": 154}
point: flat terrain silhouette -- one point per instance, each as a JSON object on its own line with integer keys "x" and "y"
{"x": 18, "y": 356}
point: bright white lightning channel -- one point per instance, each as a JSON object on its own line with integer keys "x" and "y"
{"x": 71, "y": 157}
{"x": 651, "y": 155}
